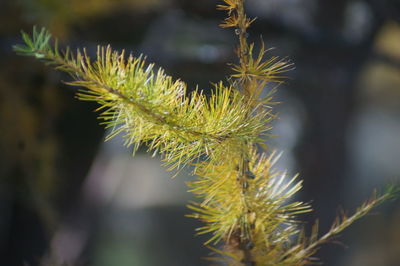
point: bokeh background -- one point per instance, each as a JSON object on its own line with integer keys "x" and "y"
{"x": 68, "y": 198}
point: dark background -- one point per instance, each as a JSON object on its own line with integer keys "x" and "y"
{"x": 67, "y": 198}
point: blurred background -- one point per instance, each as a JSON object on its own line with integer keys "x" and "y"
{"x": 68, "y": 198}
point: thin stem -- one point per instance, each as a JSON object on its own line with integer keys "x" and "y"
{"x": 347, "y": 221}
{"x": 242, "y": 30}
{"x": 246, "y": 243}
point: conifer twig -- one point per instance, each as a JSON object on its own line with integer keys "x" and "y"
{"x": 244, "y": 201}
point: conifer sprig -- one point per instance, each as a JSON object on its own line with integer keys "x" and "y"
{"x": 149, "y": 107}
{"x": 244, "y": 201}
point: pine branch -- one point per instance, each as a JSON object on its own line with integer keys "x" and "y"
{"x": 252, "y": 76}
{"x": 300, "y": 254}
{"x": 244, "y": 202}
{"x": 149, "y": 107}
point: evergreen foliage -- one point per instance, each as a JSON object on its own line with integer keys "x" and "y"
{"x": 244, "y": 201}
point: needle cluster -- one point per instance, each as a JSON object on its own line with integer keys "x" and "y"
{"x": 246, "y": 204}
{"x": 149, "y": 107}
